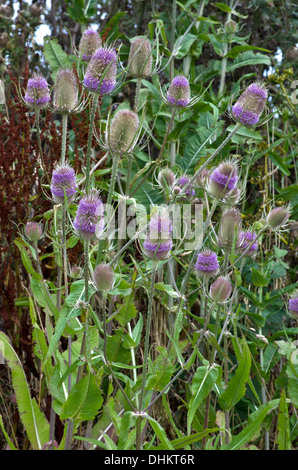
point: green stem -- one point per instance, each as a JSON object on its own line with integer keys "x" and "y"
{"x": 89, "y": 142}
{"x": 37, "y": 117}
{"x": 64, "y": 137}
{"x": 137, "y": 94}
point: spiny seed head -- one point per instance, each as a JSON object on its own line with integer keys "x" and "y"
{"x": 33, "y": 231}
{"x": 101, "y": 71}
{"x": 89, "y": 216}
{"x": 37, "y": 94}
{"x": 221, "y": 289}
{"x": 179, "y": 92}
{"x": 75, "y": 272}
{"x": 166, "y": 178}
{"x": 233, "y": 196}
{"x": 104, "y": 277}
{"x": 250, "y": 105}
{"x": 158, "y": 243}
{"x": 121, "y": 134}
{"x": 245, "y": 239}
{"x": 140, "y": 58}
{"x": 293, "y": 307}
{"x": 207, "y": 264}
{"x": 65, "y": 91}
{"x": 63, "y": 183}
{"x": 278, "y": 217}
{"x": 89, "y": 43}
{"x": 223, "y": 179}
{"x": 229, "y": 227}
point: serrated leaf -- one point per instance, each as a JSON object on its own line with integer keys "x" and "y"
{"x": 258, "y": 279}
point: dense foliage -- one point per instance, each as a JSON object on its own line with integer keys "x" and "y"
{"x": 148, "y": 199}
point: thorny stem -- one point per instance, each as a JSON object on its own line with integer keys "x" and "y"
{"x": 64, "y": 136}
{"x": 89, "y": 143}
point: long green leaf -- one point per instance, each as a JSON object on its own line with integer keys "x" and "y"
{"x": 35, "y": 423}
{"x": 160, "y": 432}
{"x": 283, "y": 440}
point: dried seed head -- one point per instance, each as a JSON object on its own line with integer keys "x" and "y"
{"x": 278, "y": 217}
{"x": 166, "y": 178}
{"x": 89, "y": 43}
{"x": 206, "y": 264}
{"x": 179, "y": 92}
{"x": 104, "y": 277}
{"x": 33, "y": 231}
{"x": 122, "y": 132}
{"x": 65, "y": 91}
{"x": 37, "y": 94}
{"x": 89, "y": 216}
{"x": 63, "y": 183}
{"x": 140, "y": 58}
{"x": 229, "y": 227}
{"x": 101, "y": 71}
{"x": 293, "y": 307}
{"x": 221, "y": 289}
{"x": 223, "y": 179}
{"x": 245, "y": 239}
{"x": 250, "y": 105}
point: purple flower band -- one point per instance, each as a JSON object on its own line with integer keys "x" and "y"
{"x": 207, "y": 262}
{"x": 225, "y": 180}
{"x": 246, "y": 117}
{"x": 93, "y": 84}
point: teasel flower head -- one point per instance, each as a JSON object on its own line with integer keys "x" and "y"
{"x": 207, "y": 264}
{"x": 89, "y": 220}
{"x": 231, "y": 26}
{"x": 63, "y": 183}
{"x": 233, "y": 197}
{"x": 293, "y": 306}
{"x": 140, "y": 58}
{"x": 223, "y": 179}
{"x": 250, "y": 105}
{"x": 65, "y": 91}
{"x": 278, "y": 217}
{"x": 100, "y": 76}
{"x": 33, "y": 231}
{"x": 89, "y": 43}
{"x": 37, "y": 93}
{"x": 158, "y": 243}
{"x": 179, "y": 92}
{"x": 166, "y": 178}
{"x": 230, "y": 227}
{"x": 221, "y": 289}
{"x": 76, "y": 272}
{"x": 103, "y": 277}
{"x": 186, "y": 189}
{"x": 247, "y": 238}
{"x": 122, "y": 133}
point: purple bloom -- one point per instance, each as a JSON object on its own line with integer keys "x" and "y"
{"x": 223, "y": 179}
{"x": 293, "y": 307}
{"x": 207, "y": 263}
{"x": 37, "y": 92}
{"x": 101, "y": 71}
{"x": 63, "y": 183}
{"x": 158, "y": 243}
{"x": 179, "y": 92}
{"x": 183, "y": 182}
{"x": 157, "y": 250}
{"x": 250, "y": 105}
{"x": 245, "y": 239}
{"x": 89, "y": 217}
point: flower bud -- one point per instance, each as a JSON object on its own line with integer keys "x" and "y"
{"x": 179, "y": 92}
{"x": 65, "y": 91}
{"x": 101, "y": 71}
{"x": 230, "y": 26}
{"x": 293, "y": 307}
{"x": 75, "y": 272}
{"x": 278, "y": 217}
{"x": 206, "y": 264}
{"x": 140, "y": 58}
{"x": 104, "y": 277}
{"x": 122, "y": 132}
{"x": 223, "y": 179}
{"x": 233, "y": 196}
{"x": 37, "y": 94}
{"x": 89, "y": 43}
{"x": 89, "y": 216}
{"x": 230, "y": 222}
{"x": 250, "y": 105}
{"x": 158, "y": 243}
{"x": 245, "y": 239}
{"x": 63, "y": 184}
{"x": 33, "y": 231}
{"x": 221, "y": 289}
{"x": 166, "y": 178}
